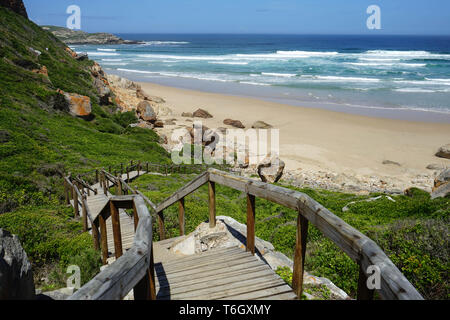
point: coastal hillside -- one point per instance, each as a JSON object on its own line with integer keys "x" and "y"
{"x": 54, "y": 120}
{"x": 80, "y": 37}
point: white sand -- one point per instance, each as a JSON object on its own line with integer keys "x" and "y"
{"x": 313, "y": 139}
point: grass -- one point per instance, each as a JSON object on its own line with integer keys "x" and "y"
{"x": 413, "y": 231}
{"x": 40, "y": 142}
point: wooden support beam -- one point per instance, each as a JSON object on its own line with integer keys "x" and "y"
{"x": 116, "y": 230}
{"x": 146, "y": 288}
{"x": 251, "y": 223}
{"x": 128, "y": 174}
{"x": 162, "y": 229}
{"x": 66, "y": 192}
{"x": 119, "y": 187}
{"x": 364, "y": 293}
{"x": 181, "y": 215}
{"x": 75, "y": 202}
{"x": 212, "y": 204}
{"x": 84, "y": 212}
{"x": 104, "y": 239}
{"x": 135, "y": 216}
{"x": 299, "y": 255}
{"x": 96, "y": 176}
{"x": 95, "y": 236}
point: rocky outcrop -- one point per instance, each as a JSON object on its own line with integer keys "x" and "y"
{"x": 234, "y": 123}
{"x": 444, "y": 152}
{"x": 146, "y": 112}
{"x": 16, "y": 277}
{"x": 69, "y": 36}
{"x": 261, "y": 125}
{"x": 441, "y": 185}
{"x": 15, "y": 5}
{"x": 79, "y": 105}
{"x": 271, "y": 169}
{"x": 200, "y": 113}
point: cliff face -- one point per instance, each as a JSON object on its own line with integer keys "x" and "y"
{"x": 15, "y": 5}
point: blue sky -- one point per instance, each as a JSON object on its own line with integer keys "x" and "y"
{"x": 247, "y": 16}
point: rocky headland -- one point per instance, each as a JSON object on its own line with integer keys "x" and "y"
{"x": 69, "y": 36}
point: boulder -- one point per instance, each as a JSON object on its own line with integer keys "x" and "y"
{"x": 79, "y": 105}
{"x": 16, "y": 276}
{"x": 444, "y": 152}
{"x": 159, "y": 124}
{"x": 271, "y": 169}
{"x": 261, "y": 125}
{"x": 103, "y": 90}
{"x": 146, "y": 111}
{"x": 393, "y": 163}
{"x": 200, "y": 113}
{"x": 234, "y": 123}
{"x": 123, "y": 83}
{"x": 441, "y": 192}
{"x": 442, "y": 178}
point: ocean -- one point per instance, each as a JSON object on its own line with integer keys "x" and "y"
{"x": 346, "y": 72}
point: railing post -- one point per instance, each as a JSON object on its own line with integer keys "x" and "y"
{"x": 95, "y": 236}
{"x": 364, "y": 293}
{"x": 251, "y": 223}
{"x": 138, "y": 168}
{"x": 147, "y": 167}
{"x": 146, "y": 288}
{"x": 110, "y": 169}
{"x": 299, "y": 255}
{"x": 181, "y": 214}
{"x": 105, "y": 183}
{"x": 84, "y": 210}
{"x": 75, "y": 202}
{"x": 212, "y": 204}
{"x": 66, "y": 192}
{"x": 116, "y": 230}
{"x": 104, "y": 238}
{"x": 96, "y": 176}
{"x": 121, "y": 170}
{"x": 128, "y": 174}
{"x": 119, "y": 187}
{"x": 162, "y": 230}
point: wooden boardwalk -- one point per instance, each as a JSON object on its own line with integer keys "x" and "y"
{"x": 221, "y": 274}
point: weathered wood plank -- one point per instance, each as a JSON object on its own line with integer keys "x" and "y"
{"x": 299, "y": 255}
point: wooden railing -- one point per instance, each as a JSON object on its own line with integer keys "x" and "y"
{"x": 133, "y": 269}
{"x": 356, "y": 245}
{"x": 130, "y": 270}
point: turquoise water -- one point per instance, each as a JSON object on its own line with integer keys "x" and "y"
{"x": 391, "y": 72}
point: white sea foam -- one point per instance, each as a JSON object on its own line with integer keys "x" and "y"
{"x": 107, "y": 50}
{"x": 137, "y": 71}
{"x": 255, "y": 83}
{"x": 283, "y": 75}
{"x": 385, "y": 64}
{"x": 229, "y": 63}
{"x": 162, "y": 43}
{"x": 415, "y": 90}
{"x": 342, "y": 79}
{"x": 112, "y": 60}
{"x": 103, "y": 54}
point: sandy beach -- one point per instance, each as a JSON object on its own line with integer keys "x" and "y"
{"x": 343, "y": 148}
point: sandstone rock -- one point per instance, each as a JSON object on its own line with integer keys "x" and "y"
{"x": 79, "y": 105}
{"x": 389, "y": 162}
{"x": 163, "y": 111}
{"x": 146, "y": 111}
{"x": 444, "y": 152}
{"x": 441, "y": 192}
{"x": 43, "y": 70}
{"x": 123, "y": 83}
{"x": 159, "y": 124}
{"x": 15, "y": 5}
{"x": 200, "y": 113}
{"x": 145, "y": 125}
{"x": 71, "y": 52}
{"x": 234, "y": 123}
{"x": 103, "y": 91}
{"x": 442, "y": 178}
{"x": 187, "y": 115}
{"x": 16, "y": 277}
{"x": 261, "y": 125}
{"x": 271, "y": 169}
{"x": 435, "y": 166}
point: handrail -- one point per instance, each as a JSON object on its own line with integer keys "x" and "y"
{"x": 134, "y": 269}
{"x": 356, "y": 245}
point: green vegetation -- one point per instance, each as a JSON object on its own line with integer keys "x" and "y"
{"x": 413, "y": 231}
{"x": 40, "y": 142}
